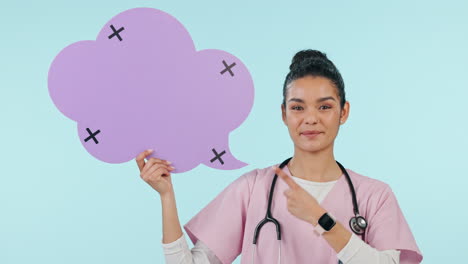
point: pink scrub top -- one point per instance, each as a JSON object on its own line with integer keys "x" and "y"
{"x": 226, "y": 225}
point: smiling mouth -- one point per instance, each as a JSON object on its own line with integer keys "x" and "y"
{"x": 311, "y": 135}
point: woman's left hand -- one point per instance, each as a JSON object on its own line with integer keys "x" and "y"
{"x": 300, "y": 203}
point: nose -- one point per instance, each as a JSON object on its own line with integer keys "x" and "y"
{"x": 311, "y": 117}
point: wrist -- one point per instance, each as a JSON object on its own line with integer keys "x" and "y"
{"x": 168, "y": 196}
{"x": 325, "y": 223}
{"x": 317, "y": 213}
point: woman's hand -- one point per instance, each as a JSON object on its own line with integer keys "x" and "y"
{"x": 156, "y": 172}
{"x": 300, "y": 203}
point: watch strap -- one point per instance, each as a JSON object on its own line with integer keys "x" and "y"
{"x": 319, "y": 229}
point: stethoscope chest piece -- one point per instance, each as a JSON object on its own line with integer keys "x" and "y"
{"x": 358, "y": 224}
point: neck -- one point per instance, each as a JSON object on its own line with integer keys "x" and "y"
{"x": 315, "y": 166}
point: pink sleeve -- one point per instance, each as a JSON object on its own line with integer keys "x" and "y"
{"x": 220, "y": 225}
{"x": 388, "y": 229}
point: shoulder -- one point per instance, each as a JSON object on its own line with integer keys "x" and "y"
{"x": 372, "y": 192}
{"x": 256, "y": 177}
{"x": 259, "y": 174}
{"x": 366, "y": 183}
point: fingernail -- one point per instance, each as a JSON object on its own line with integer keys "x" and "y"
{"x": 149, "y": 150}
{"x": 168, "y": 162}
{"x": 171, "y": 167}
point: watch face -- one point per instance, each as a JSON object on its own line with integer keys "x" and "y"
{"x": 326, "y": 222}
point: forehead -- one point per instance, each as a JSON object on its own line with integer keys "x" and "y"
{"x": 311, "y": 87}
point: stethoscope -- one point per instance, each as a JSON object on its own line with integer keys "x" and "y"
{"x": 357, "y": 223}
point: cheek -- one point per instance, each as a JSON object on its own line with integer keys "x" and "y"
{"x": 332, "y": 117}
{"x": 293, "y": 124}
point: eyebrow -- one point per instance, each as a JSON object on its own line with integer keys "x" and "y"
{"x": 318, "y": 100}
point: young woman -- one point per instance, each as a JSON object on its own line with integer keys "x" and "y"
{"x": 318, "y": 212}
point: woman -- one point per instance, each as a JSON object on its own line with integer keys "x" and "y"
{"x": 312, "y": 196}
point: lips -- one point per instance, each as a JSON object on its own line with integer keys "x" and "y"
{"x": 311, "y": 132}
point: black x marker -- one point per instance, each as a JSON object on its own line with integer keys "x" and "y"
{"x": 116, "y": 32}
{"x": 218, "y": 156}
{"x": 92, "y": 135}
{"x": 228, "y": 68}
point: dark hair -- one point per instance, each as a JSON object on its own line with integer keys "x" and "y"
{"x": 314, "y": 63}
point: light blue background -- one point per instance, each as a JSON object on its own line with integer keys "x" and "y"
{"x": 404, "y": 66}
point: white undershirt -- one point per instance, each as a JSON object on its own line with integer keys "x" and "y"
{"x": 356, "y": 251}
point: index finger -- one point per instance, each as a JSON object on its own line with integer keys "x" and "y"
{"x": 289, "y": 181}
{"x": 140, "y": 159}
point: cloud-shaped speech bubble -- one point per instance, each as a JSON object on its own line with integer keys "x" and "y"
{"x": 141, "y": 84}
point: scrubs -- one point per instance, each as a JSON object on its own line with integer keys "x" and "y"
{"x": 226, "y": 225}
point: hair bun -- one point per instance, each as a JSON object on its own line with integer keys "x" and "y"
{"x": 308, "y": 55}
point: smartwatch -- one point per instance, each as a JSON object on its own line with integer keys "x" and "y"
{"x": 325, "y": 223}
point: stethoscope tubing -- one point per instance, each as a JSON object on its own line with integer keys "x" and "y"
{"x": 269, "y": 217}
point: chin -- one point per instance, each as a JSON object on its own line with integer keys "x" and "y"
{"x": 312, "y": 146}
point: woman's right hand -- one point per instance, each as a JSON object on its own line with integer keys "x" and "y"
{"x": 156, "y": 172}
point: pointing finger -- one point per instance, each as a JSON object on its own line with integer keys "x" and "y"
{"x": 289, "y": 181}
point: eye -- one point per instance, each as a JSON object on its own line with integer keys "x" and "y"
{"x": 327, "y": 107}
{"x": 295, "y": 107}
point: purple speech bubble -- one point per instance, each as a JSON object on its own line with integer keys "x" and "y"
{"x": 143, "y": 85}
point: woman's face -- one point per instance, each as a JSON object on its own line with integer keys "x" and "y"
{"x": 312, "y": 104}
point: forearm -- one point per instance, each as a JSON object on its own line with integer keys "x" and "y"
{"x": 349, "y": 248}
{"x": 337, "y": 237}
{"x": 178, "y": 252}
{"x": 357, "y": 252}
{"x": 171, "y": 224}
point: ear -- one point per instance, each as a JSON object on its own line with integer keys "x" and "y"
{"x": 283, "y": 114}
{"x": 345, "y": 112}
